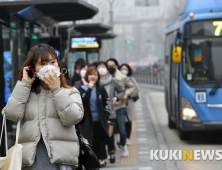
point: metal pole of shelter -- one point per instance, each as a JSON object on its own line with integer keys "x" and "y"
{"x": 2, "y": 87}
{"x": 111, "y": 25}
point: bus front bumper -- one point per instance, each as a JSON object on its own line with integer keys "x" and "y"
{"x": 202, "y": 126}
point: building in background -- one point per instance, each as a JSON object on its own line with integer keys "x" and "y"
{"x": 140, "y": 26}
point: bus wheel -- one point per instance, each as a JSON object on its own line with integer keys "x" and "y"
{"x": 171, "y": 124}
{"x": 185, "y": 135}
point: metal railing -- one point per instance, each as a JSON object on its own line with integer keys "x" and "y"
{"x": 149, "y": 77}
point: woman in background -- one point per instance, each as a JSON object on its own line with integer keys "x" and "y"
{"x": 116, "y": 92}
{"x": 76, "y": 74}
{"x": 83, "y": 70}
{"x": 96, "y": 113}
{"x": 130, "y": 108}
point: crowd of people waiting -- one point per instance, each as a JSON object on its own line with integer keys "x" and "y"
{"x": 108, "y": 94}
{"x": 52, "y": 106}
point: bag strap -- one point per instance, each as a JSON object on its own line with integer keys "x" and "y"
{"x": 17, "y": 132}
{"x": 6, "y": 137}
{"x": 3, "y": 122}
{"x": 4, "y": 127}
{"x": 78, "y": 132}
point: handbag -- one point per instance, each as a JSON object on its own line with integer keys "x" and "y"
{"x": 87, "y": 157}
{"x": 135, "y": 98}
{"x": 13, "y": 158}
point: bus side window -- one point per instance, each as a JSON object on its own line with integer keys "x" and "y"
{"x": 168, "y": 52}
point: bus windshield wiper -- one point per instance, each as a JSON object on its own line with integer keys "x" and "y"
{"x": 216, "y": 86}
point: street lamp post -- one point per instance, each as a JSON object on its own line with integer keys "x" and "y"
{"x": 112, "y": 53}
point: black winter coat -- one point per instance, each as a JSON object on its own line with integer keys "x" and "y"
{"x": 86, "y": 125}
{"x": 76, "y": 77}
{"x": 78, "y": 84}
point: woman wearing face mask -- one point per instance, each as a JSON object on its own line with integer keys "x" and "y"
{"x": 81, "y": 82}
{"x": 130, "y": 108}
{"x": 96, "y": 113}
{"x": 115, "y": 92}
{"x": 49, "y": 108}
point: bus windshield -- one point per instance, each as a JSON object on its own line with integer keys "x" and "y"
{"x": 202, "y": 63}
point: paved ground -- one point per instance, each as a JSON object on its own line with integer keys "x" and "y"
{"x": 153, "y": 134}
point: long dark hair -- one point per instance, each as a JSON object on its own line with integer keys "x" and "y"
{"x": 66, "y": 74}
{"x": 41, "y": 51}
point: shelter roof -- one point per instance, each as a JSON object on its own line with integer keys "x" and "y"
{"x": 92, "y": 28}
{"x": 49, "y": 12}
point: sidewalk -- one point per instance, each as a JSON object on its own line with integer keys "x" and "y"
{"x": 138, "y": 158}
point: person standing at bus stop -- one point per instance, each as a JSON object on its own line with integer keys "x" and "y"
{"x": 130, "y": 108}
{"x": 96, "y": 104}
{"x": 50, "y": 109}
{"x": 83, "y": 70}
{"x": 115, "y": 92}
{"x": 76, "y": 75}
{"x": 121, "y": 105}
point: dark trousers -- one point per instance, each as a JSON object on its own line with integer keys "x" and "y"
{"x": 121, "y": 119}
{"x": 128, "y": 129}
{"x": 110, "y": 144}
{"x": 110, "y": 140}
{"x": 99, "y": 137}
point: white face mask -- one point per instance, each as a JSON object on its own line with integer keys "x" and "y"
{"x": 102, "y": 71}
{"x": 48, "y": 68}
{"x": 124, "y": 72}
{"x": 82, "y": 73}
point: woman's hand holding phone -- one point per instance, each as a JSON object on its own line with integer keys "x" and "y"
{"x": 26, "y": 74}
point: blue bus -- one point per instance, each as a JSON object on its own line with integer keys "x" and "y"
{"x": 193, "y": 68}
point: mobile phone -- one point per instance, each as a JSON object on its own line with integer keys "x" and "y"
{"x": 30, "y": 73}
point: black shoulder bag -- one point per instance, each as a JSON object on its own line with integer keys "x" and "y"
{"x": 87, "y": 157}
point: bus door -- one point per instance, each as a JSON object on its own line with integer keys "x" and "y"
{"x": 174, "y": 73}
{"x": 168, "y": 64}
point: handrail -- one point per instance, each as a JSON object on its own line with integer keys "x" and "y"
{"x": 149, "y": 77}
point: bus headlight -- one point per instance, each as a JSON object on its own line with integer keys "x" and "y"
{"x": 188, "y": 113}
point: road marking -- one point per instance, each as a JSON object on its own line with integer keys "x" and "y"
{"x": 143, "y": 152}
{"x": 140, "y": 121}
{"x": 142, "y": 124}
{"x": 143, "y": 139}
{"x": 129, "y": 168}
{"x": 145, "y": 168}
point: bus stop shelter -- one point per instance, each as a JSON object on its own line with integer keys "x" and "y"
{"x": 19, "y": 20}
{"x": 86, "y": 42}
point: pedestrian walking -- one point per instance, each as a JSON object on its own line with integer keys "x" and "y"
{"x": 121, "y": 105}
{"x": 49, "y": 108}
{"x": 130, "y": 107}
{"x": 76, "y": 75}
{"x": 86, "y": 160}
{"x": 96, "y": 113}
{"x": 115, "y": 92}
{"x": 83, "y": 70}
